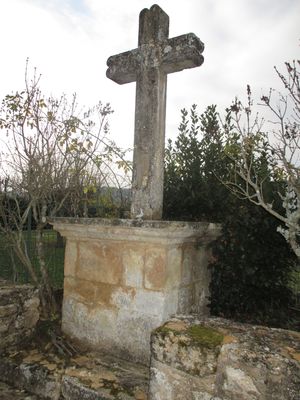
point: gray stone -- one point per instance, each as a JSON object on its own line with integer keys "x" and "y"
{"x": 148, "y": 66}
{"x": 34, "y": 378}
{"x": 73, "y": 389}
{"x": 85, "y": 376}
{"x": 10, "y": 393}
{"x": 19, "y": 313}
{"x": 242, "y": 362}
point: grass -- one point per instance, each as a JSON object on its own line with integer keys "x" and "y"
{"x": 11, "y": 268}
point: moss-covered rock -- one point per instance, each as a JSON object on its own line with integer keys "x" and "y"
{"x": 205, "y": 336}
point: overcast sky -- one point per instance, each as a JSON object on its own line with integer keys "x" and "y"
{"x": 69, "y": 42}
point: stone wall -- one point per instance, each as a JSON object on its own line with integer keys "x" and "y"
{"x": 19, "y": 313}
{"x": 216, "y": 359}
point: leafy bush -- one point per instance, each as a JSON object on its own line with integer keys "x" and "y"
{"x": 251, "y": 264}
{"x": 251, "y": 269}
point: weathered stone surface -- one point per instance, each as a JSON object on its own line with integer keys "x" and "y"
{"x": 168, "y": 383}
{"x": 129, "y": 278}
{"x": 217, "y": 359}
{"x": 9, "y": 393}
{"x": 72, "y": 389}
{"x": 30, "y": 376}
{"x": 71, "y": 257}
{"x": 88, "y": 376}
{"x": 149, "y": 65}
{"x": 19, "y": 313}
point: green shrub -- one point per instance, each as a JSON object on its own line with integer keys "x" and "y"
{"x": 252, "y": 263}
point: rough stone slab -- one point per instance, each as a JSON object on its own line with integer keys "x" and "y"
{"x": 171, "y": 232}
{"x": 170, "y": 383}
{"x": 34, "y": 378}
{"x": 88, "y": 376}
{"x": 213, "y": 358}
{"x": 19, "y": 313}
{"x": 10, "y": 393}
{"x": 72, "y": 389}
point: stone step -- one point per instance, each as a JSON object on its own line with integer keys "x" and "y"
{"x": 8, "y": 392}
{"x": 88, "y": 376}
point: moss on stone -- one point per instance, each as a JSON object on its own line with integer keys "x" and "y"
{"x": 200, "y": 335}
{"x": 205, "y": 336}
{"x": 164, "y": 330}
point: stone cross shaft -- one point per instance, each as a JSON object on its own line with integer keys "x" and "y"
{"x": 148, "y": 66}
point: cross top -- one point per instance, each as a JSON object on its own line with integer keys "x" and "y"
{"x": 148, "y": 66}
{"x": 153, "y": 26}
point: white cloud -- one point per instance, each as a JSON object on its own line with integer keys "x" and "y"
{"x": 69, "y": 42}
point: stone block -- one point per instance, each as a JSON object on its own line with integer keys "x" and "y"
{"x": 155, "y": 267}
{"x": 34, "y": 378}
{"x": 71, "y": 257}
{"x": 217, "y": 359}
{"x": 129, "y": 278}
{"x": 135, "y": 346}
{"x": 173, "y": 267}
{"x": 201, "y": 296}
{"x": 30, "y": 314}
{"x": 9, "y": 392}
{"x": 168, "y": 383}
{"x": 82, "y": 290}
{"x": 171, "y": 303}
{"x": 8, "y": 310}
{"x": 123, "y": 298}
{"x": 186, "y": 299}
{"x": 149, "y": 302}
{"x": 107, "y": 329}
{"x": 19, "y": 313}
{"x": 99, "y": 262}
{"x": 90, "y": 376}
{"x": 133, "y": 259}
{"x": 188, "y": 264}
{"x": 176, "y": 344}
{"x": 92, "y": 325}
{"x": 73, "y": 389}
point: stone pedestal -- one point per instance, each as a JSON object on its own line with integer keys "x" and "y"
{"x": 124, "y": 278}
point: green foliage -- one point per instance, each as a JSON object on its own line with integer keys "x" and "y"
{"x": 13, "y": 270}
{"x": 205, "y": 336}
{"x": 109, "y": 203}
{"x": 251, "y": 269}
{"x": 251, "y": 264}
{"x": 194, "y": 164}
{"x": 55, "y": 157}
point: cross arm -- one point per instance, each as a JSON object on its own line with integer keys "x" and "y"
{"x": 182, "y": 52}
{"x": 122, "y": 67}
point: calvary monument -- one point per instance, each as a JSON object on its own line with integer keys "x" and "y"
{"x": 125, "y": 277}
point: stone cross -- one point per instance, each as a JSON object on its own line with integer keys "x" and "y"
{"x": 148, "y": 66}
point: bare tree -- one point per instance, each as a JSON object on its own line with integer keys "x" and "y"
{"x": 280, "y": 148}
{"x": 53, "y": 153}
